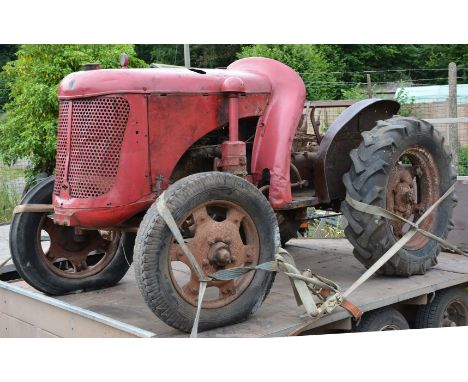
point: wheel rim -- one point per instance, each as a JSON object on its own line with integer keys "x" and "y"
{"x": 72, "y": 253}
{"x": 220, "y": 235}
{"x": 413, "y": 186}
{"x": 389, "y": 327}
{"x": 455, "y": 314}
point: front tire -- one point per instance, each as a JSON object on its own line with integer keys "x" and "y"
{"x": 68, "y": 263}
{"x": 402, "y": 166}
{"x": 226, "y": 222}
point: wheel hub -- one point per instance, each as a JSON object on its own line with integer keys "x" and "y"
{"x": 219, "y": 255}
{"x": 413, "y": 186}
{"x": 455, "y": 314}
{"x": 402, "y": 187}
{"x": 221, "y": 235}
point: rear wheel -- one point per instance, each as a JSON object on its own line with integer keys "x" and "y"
{"x": 226, "y": 222}
{"x": 57, "y": 259}
{"x": 402, "y": 166}
{"x": 381, "y": 320}
{"x": 449, "y": 308}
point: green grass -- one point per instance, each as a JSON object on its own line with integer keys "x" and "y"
{"x": 9, "y": 198}
{"x": 10, "y": 195}
{"x": 463, "y": 161}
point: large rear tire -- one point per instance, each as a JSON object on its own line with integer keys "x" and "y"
{"x": 54, "y": 260}
{"x": 402, "y": 166}
{"x": 226, "y": 222}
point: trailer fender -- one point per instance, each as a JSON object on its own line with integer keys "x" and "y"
{"x": 333, "y": 159}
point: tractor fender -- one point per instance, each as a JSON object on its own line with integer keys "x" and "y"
{"x": 277, "y": 126}
{"x": 333, "y": 159}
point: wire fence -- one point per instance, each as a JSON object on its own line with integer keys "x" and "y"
{"x": 423, "y": 109}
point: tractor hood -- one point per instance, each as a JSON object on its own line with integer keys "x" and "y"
{"x": 158, "y": 80}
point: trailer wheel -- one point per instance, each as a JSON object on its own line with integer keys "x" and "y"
{"x": 381, "y": 320}
{"x": 226, "y": 223}
{"x": 56, "y": 260}
{"x": 449, "y": 308}
{"x": 402, "y": 166}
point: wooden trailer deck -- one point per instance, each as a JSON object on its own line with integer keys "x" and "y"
{"x": 127, "y": 313}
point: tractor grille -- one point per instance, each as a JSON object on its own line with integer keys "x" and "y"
{"x": 97, "y": 131}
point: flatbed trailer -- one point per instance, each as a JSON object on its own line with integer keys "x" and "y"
{"x": 121, "y": 312}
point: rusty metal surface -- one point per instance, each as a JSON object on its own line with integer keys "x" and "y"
{"x": 333, "y": 159}
{"x": 233, "y": 158}
{"x": 220, "y": 235}
{"x": 412, "y": 188}
{"x": 75, "y": 246}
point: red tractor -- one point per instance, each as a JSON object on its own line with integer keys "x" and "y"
{"x": 229, "y": 150}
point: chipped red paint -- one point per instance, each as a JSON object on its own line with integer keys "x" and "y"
{"x": 277, "y": 126}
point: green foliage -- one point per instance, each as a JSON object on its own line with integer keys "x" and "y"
{"x": 463, "y": 161}
{"x": 407, "y": 103}
{"x": 7, "y": 53}
{"x": 307, "y": 60}
{"x": 356, "y": 92}
{"x": 201, "y": 55}
{"x": 10, "y": 194}
{"x": 29, "y": 130}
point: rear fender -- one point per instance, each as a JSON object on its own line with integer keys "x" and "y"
{"x": 333, "y": 159}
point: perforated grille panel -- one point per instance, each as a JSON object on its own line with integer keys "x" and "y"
{"x": 61, "y": 145}
{"x": 97, "y": 131}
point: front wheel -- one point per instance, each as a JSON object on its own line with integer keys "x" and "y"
{"x": 57, "y": 259}
{"x": 402, "y": 166}
{"x": 226, "y": 222}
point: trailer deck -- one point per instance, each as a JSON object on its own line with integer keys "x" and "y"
{"x": 127, "y": 314}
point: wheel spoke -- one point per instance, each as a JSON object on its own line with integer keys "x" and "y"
{"x": 227, "y": 289}
{"x": 191, "y": 288}
{"x": 249, "y": 252}
{"x": 79, "y": 265}
{"x": 397, "y": 229}
{"x": 200, "y": 216}
{"x": 48, "y": 226}
{"x": 235, "y": 216}
{"x": 176, "y": 253}
{"x": 53, "y": 253}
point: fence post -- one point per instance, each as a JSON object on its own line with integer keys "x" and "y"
{"x": 187, "y": 55}
{"x": 369, "y": 86}
{"x": 452, "y": 113}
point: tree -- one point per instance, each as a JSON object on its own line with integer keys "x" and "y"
{"x": 7, "y": 53}
{"x": 308, "y": 60}
{"x": 201, "y": 55}
{"x": 30, "y": 127}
